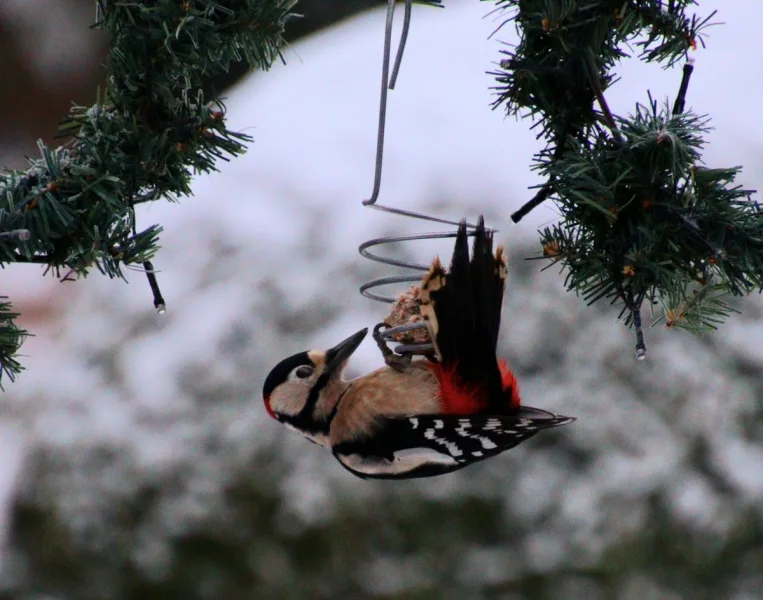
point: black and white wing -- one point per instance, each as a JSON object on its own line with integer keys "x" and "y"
{"x": 429, "y": 445}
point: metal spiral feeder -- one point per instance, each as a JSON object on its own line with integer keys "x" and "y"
{"x": 392, "y": 334}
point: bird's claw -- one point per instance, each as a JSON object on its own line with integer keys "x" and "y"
{"x": 399, "y": 362}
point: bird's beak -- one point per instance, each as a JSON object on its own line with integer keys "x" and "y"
{"x": 338, "y": 355}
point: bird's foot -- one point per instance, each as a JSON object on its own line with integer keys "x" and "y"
{"x": 399, "y": 362}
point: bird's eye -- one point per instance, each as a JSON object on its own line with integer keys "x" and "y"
{"x": 303, "y": 372}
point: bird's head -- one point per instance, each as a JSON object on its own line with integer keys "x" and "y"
{"x": 302, "y": 390}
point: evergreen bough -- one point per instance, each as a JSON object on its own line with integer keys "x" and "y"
{"x": 154, "y": 126}
{"x": 643, "y": 220}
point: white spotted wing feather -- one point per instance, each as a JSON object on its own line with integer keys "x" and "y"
{"x": 426, "y": 445}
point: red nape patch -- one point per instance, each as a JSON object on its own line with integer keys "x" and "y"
{"x": 457, "y": 398}
{"x": 267, "y": 406}
{"x": 509, "y": 381}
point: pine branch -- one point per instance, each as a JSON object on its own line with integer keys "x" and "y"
{"x": 142, "y": 141}
{"x": 11, "y": 338}
{"x": 642, "y": 220}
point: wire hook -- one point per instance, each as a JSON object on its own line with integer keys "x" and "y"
{"x": 388, "y": 83}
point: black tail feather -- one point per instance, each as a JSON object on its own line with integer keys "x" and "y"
{"x": 499, "y": 285}
{"x": 460, "y": 308}
{"x": 467, "y": 309}
{"x": 486, "y": 325}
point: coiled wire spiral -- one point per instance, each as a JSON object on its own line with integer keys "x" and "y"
{"x": 389, "y": 334}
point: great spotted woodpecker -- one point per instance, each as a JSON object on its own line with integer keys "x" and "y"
{"x": 428, "y": 417}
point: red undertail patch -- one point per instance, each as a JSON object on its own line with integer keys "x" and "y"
{"x": 460, "y": 399}
{"x": 509, "y": 381}
{"x": 457, "y": 398}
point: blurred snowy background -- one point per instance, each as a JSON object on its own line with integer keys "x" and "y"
{"x": 137, "y": 461}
